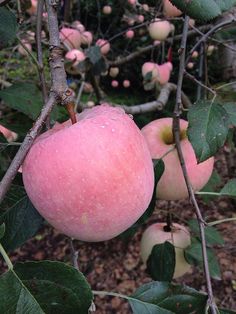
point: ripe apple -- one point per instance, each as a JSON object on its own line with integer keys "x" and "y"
{"x": 160, "y": 140}
{"x": 79, "y": 26}
{"x": 126, "y": 83}
{"x": 114, "y": 71}
{"x": 70, "y": 37}
{"x": 75, "y": 55}
{"x": 170, "y": 10}
{"x": 33, "y": 9}
{"x": 190, "y": 65}
{"x": 114, "y": 83}
{"x": 164, "y": 72}
{"x": 140, "y": 18}
{"x": 178, "y": 236}
{"x": 195, "y": 54}
{"x": 22, "y": 50}
{"x": 145, "y": 7}
{"x": 107, "y": 9}
{"x": 150, "y": 67}
{"x": 159, "y": 29}
{"x": 8, "y": 134}
{"x": 104, "y": 46}
{"x": 93, "y": 179}
{"x": 129, "y": 34}
{"x": 86, "y": 38}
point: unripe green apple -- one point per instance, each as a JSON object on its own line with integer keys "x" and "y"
{"x": 171, "y": 185}
{"x": 178, "y": 236}
{"x": 91, "y": 180}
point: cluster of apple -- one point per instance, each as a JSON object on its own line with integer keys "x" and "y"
{"x": 171, "y": 186}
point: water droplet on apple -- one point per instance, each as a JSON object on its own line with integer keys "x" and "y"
{"x": 131, "y": 116}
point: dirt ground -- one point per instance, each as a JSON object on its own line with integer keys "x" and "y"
{"x": 115, "y": 265}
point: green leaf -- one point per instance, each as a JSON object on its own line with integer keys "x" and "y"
{"x": 212, "y": 234}
{"x": 193, "y": 255}
{"x": 57, "y": 287}
{"x": 139, "y": 307}
{"x": 161, "y": 262}
{"x": 15, "y": 298}
{"x": 8, "y": 27}
{"x": 229, "y": 189}
{"x": 225, "y": 5}
{"x": 94, "y": 54}
{"x": 159, "y": 168}
{"x": 231, "y": 110}
{"x": 199, "y": 9}
{"x": 207, "y": 129}
{"x": 2, "y": 230}
{"x": 22, "y": 222}
{"x": 211, "y": 186}
{"x": 23, "y": 97}
{"x": 165, "y": 296}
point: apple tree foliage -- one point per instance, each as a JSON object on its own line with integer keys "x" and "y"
{"x": 55, "y": 287}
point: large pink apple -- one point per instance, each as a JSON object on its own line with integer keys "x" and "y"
{"x": 93, "y": 179}
{"x": 172, "y": 185}
{"x": 178, "y": 236}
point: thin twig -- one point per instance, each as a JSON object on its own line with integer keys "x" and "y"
{"x": 176, "y": 132}
{"x": 74, "y": 255}
{"x": 193, "y": 78}
{"x": 59, "y": 94}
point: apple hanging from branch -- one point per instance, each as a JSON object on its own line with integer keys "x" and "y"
{"x": 91, "y": 180}
{"x": 178, "y": 235}
{"x": 171, "y": 186}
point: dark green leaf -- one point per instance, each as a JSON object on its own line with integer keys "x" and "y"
{"x": 193, "y": 255}
{"x": 231, "y": 110}
{"x": 22, "y": 222}
{"x": 199, "y": 9}
{"x": 2, "y": 230}
{"x": 24, "y": 97}
{"x": 15, "y": 298}
{"x": 211, "y": 186}
{"x": 139, "y": 307}
{"x": 94, "y": 54}
{"x": 212, "y": 234}
{"x": 161, "y": 262}
{"x": 165, "y": 295}
{"x": 229, "y": 189}
{"x": 225, "y": 5}
{"x": 8, "y": 27}
{"x": 207, "y": 129}
{"x": 57, "y": 287}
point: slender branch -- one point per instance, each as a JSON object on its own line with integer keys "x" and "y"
{"x": 74, "y": 255}
{"x": 5, "y": 257}
{"x": 192, "y": 78}
{"x": 158, "y": 104}
{"x": 217, "y": 222}
{"x": 176, "y": 132}
{"x": 59, "y": 94}
{"x": 141, "y": 51}
{"x": 23, "y": 150}
{"x": 211, "y": 31}
{"x": 39, "y": 49}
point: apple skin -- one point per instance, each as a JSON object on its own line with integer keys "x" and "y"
{"x": 76, "y": 56}
{"x": 86, "y": 38}
{"x": 172, "y": 185}
{"x": 70, "y": 37}
{"x": 104, "y": 46}
{"x": 91, "y": 180}
{"x": 114, "y": 72}
{"x": 159, "y": 29}
{"x": 164, "y": 72}
{"x": 179, "y": 236}
{"x": 150, "y": 67}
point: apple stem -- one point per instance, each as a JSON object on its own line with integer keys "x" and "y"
{"x": 167, "y": 227}
{"x": 70, "y": 110}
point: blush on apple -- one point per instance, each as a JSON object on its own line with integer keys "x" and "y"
{"x": 91, "y": 180}
{"x": 70, "y": 37}
{"x": 178, "y": 236}
{"x": 171, "y": 186}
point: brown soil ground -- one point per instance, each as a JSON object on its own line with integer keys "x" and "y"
{"x": 115, "y": 265}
